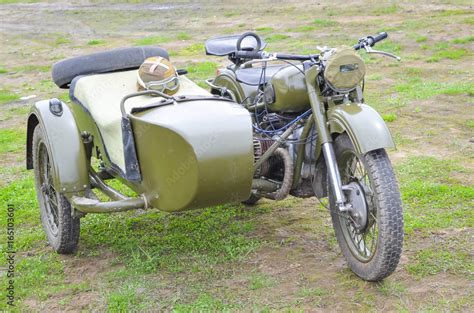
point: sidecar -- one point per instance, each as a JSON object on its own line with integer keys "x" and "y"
{"x": 176, "y": 153}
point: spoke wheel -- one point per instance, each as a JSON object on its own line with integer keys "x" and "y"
{"x": 370, "y": 234}
{"x": 361, "y": 237}
{"x": 60, "y": 226}
{"x": 48, "y": 193}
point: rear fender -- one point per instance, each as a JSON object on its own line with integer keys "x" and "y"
{"x": 365, "y": 127}
{"x": 65, "y": 144}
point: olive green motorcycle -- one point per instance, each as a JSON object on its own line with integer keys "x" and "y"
{"x": 264, "y": 131}
{"x": 313, "y": 135}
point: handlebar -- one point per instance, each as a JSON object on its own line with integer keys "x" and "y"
{"x": 248, "y": 54}
{"x": 254, "y": 54}
{"x": 371, "y": 40}
{"x": 279, "y": 56}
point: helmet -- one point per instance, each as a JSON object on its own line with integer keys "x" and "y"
{"x": 157, "y": 73}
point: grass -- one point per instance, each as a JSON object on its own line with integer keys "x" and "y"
{"x": 33, "y": 273}
{"x": 276, "y": 37}
{"x": 391, "y": 288}
{"x": 386, "y": 10}
{"x": 440, "y": 259}
{"x": 12, "y": 140}
{"x": 463, "y": 40}
{"x": 420, "y": 39}
{"x": 432, "y": 195}
{"x": 469, "y": 20}
{"x": 96, "y": 42}
{"x": 7, "y": 96}
{"x": 315, "y": 24}
{"x": 264, "y": 29}
{"x": 194, "y": 49}
{"x": 304, "y": 28}
{"x": 435, "y": 206}
{"x": 14, "y": 112}
{"x": 32, "y": 68}
{"x": 17, "y": 1}
{"x": 389, "y": 117}
{"x": 161, "y": 241}
{"x": 126, "y": 298}
{"x": 202, "y": 70}
{"x": 148, "y": 242}
{"x": 312, "y": 292}
{"x": 449, "y": 53}
{"x": 416, "y": 88}
{"x": 204, "y": 303}
{"x": 61, "y": 40}
{"x": 374, "y": 77}
{"x": 389, "y": 46}
{"x": 260, "y": 281}
{"x": 151, "y": 40}
{"x": 324, "y": 22}
{"x": 454, "y": 12}
{"x": 183, "y": 36}
{"x": 21, "y": 193}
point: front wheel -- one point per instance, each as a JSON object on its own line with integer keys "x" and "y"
{"x": 371, "y": 233}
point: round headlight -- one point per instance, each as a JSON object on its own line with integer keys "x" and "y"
{"x": 344, "y": 69}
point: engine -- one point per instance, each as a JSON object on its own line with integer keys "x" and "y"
{"x": 279, "y": 167}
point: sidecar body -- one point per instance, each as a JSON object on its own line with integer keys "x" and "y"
{"x": 189, "y": 151}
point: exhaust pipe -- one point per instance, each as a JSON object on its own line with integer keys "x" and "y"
{"x": 87, "y": 205}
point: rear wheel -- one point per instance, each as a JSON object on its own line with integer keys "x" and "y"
{"x": 252, "y": 200}
{"x": 61, "y": 228}
{"x": 371, "y": 234}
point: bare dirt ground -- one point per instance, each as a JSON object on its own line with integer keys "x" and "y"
{"x": 296, "y": 264}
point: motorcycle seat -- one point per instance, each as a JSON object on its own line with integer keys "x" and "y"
{"x": 255, "y": 76}
{"x": 101, "y": 94}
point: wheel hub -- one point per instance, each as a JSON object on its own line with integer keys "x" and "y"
{"x": 355, "y": 197}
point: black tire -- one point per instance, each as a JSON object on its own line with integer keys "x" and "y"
{"x": 252, "y": 200}
{"x": 121, "y": 59}
{"x": 61, "y": 228}
{"x": 384, "y": 207}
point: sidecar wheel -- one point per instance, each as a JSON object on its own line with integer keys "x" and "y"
{"x": 61, "y": 228}
{"x": 372, "y": 248}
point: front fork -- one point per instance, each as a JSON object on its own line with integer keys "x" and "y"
{"x": 325, "y": 139}
{"x": 335, "y": 182}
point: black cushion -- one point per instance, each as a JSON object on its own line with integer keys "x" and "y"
{"x": 121, "y": 59}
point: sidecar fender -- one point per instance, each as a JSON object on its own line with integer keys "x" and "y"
{"x": 365, "y": 127}
{"x": 65, "y": 145}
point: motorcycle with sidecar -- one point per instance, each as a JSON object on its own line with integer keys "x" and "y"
{"x": 269, "y": 126}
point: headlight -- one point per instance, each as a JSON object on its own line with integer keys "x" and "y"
{"x": 344, "y": 69}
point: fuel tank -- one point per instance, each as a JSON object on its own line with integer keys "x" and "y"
{"x": 194, "y": 154}
{"x": 287, "y": 91}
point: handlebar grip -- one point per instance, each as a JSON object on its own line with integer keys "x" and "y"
{"x": 358, "y": 46}
{"x": 248, "y": 54}
{"x": 372, "y": 40}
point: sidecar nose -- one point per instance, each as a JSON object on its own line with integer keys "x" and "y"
{"x": 195, "y": 154}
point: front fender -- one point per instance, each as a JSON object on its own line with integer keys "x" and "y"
{"x": 365, "y": 127}
{"x": 65, "y": 145}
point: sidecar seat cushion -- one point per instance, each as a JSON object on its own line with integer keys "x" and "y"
{"x": 121, "y": 59}
{"x": 101, "y": 94}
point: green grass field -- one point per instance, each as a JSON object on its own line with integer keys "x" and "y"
{"x": 277, "y": 256}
